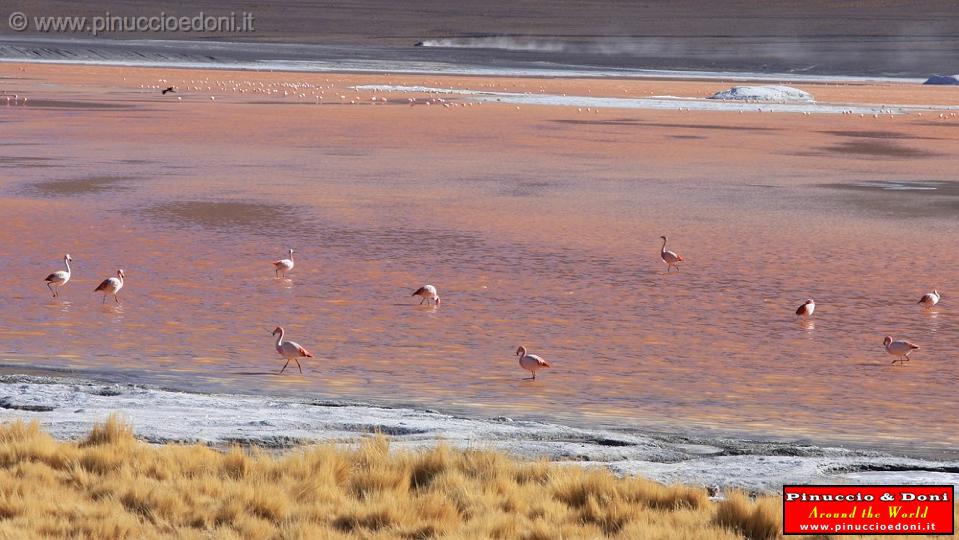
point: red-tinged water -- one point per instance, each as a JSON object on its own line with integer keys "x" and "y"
{"x": 535, "y": 230}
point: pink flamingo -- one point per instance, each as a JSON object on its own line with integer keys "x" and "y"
{"x": 60, "y": 278}
{"x": 530, "y": 362}
{"x": 283, "y": 265}
{"x": 290, "y": 350}
{"x": 111, "y": 286}
{"x": 806, "y": 310}
{"x": 671, "y": 258}
{"x": 900, "y": 349}
{"x": 928, "y": 299}
{"x": 429, "y": 294}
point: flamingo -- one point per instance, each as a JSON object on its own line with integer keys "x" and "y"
{"x": 60, "y": 278}
{"x": 669, "y": 257}
{"x": 900, "y": 349}
{"x": 428, "y": 292}
{"x": 111, "y": 285}
{"x": 806, "y": 310}
{"x": 283, "y": 265}
{"x": 290, "y": 350}
{"x": 927, "y": 300}
{"x": 530, "y": 362}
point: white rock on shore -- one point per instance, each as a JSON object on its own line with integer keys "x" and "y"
{"x": 764, "y": 93}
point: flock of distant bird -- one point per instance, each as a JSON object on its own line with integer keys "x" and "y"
{"x": 901, "y": 349}
{"x": 290, "y": 350}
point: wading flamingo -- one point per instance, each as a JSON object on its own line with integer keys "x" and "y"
{"x": 671, "y": 258}
{"x": 900, "y": 349}
{"x": 927, "y": 300}
{"x": 429, "y": 294}
{"x": 290, "y": 350}
{"x": 60, "y": 278}
{"x": 111, "y": 286}
{"x": 283, "y": 265}
{"x": 806, "y": 310}
{"x": 530, "y": 362}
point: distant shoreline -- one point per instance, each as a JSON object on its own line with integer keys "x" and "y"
{"x": 307, "y": 58}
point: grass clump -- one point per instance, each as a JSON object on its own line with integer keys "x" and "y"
{"x": 755, "y": 520}
{"x": 111, "y": 486}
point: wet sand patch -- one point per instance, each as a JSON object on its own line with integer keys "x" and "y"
{"x": 878, "y": 135}
{"x": 918, "y": 187}
{"x": 77, "y": 105}
{"x": 607, "y": 122}
{"x": 89, "y": 185}
{"x": 902, "y": 198}
{"x": 527, "y": 189}
{"x": 25, "y": 161}
{"x": 640, "y": 123}
{"x": 515, "y": 186}
{"x": 877, "y": 148}
{"x": 134, "y": 161}
{"x": 337, "y": 151}
{"x": 250, "y": 216}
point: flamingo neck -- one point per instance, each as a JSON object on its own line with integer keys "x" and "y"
{"x": 663, "y": 250}
{"x": 66, "y": 261}
{"x": 279, "y": 338}
{"x": 291, "y": 254}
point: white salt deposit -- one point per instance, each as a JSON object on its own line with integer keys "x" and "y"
{"x": 660, "y": 102}
{"x": 779, "y": 94}
{"x": 68, "y": 408}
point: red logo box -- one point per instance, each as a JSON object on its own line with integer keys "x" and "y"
{"x": 857, "y": 510}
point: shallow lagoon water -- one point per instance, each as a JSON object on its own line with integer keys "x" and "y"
{"x": 553, "y": 244}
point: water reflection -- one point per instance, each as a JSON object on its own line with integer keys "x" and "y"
{"x": 577, "y": 279}
{"x": 932, "y": 314}
{"x": 116, "y": 310}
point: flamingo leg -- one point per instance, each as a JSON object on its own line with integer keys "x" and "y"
{"x": 423, "y": 300}
{"x": 276, "y": 272}
{"x": 117, "y": 300}
{"x": 104, "y": 299}
{"x": 298, "y": 365}
{"x": 284, "y": 365}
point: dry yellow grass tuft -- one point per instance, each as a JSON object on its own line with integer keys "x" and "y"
{"x": 111, "y": 486}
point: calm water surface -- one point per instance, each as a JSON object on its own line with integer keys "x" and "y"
{"x": 558, "y": 252}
